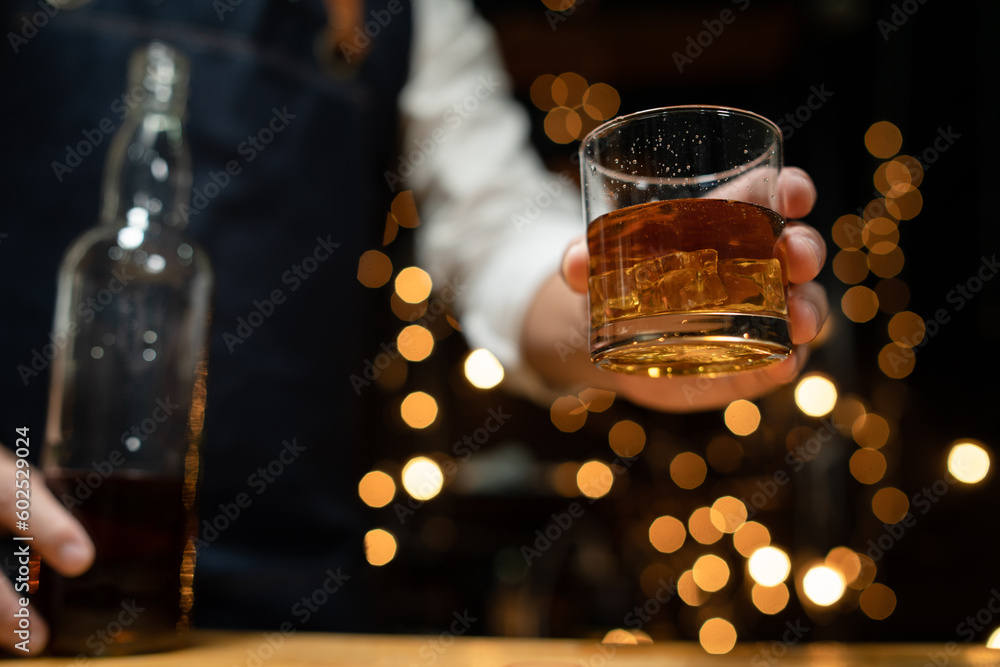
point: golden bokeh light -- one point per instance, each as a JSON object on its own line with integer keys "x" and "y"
{"x": 900, "y": 177}
{"x": 867, "y": 574}
{"x": 871, "y": 430}
{"x": 689, "y": 591}
{"x": 623, "y": 637}
{"x": 850, "y": 266}
{"x": 880, "y": 235}
{"x": 413, "y": 284}
{"x": 906, "y": 328}
{"x": 482, "y": 369}
{"x": 877, "y": 602}
{"x": 563, "y": 125}
{"x": 380, "y": 546}
{"x": 846, "y": 232}
{"x": 890, "y": 505}
{"x": 770, "y": 599}
{"x": 541, "y": 92}
{"x": 906, "y": 206}
{"x": 594, "y": 479}
{"x": 896, "y": 361}
{"x": 912, "y": 166}
{"x": 994, "y": 639}
{"x": 867, "y": 466}
{"x": 750, "y": 537}
{"x": 701, "y": 527}
{"x": 374, "y": 268}
{"x": 627, "y": 438}
{"x": 845, "y": 561}
{"x": 568, "y": 89}
{"x": 886, "y": 264}
{"x": 848, "y": 410}
{"x": 597, "y": 400}
{"x": 883, "y": 139}
{"x": 404, "y": 210}
{"x": 728, "y": 514}
{"x": 769, "y": 566}
{"x": 823, "y": 585}
{"x": 601, "y": 101}
{"x": 415, "y": 343}
{"x": 859, "y": 303}
{"x": 968, "y": 461}
{"x": 742, "y": 417}
{"x": 559, "y": 5}
{"x": 418, "y": 409}
{"x": 667, "y": 534}
{"x": 688, "y": 470}
{"x": 568, "y": 414}
{"x": 717, "y": 636}
{"x": 422, "y": 478}
{"x": 710, "y": 572}
{"x": 816, "y": 395}
{"x": 376, "y": 489}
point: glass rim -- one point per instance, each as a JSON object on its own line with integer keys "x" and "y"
{"x": 720, "y": 110}
{"x": 603, "y": 130}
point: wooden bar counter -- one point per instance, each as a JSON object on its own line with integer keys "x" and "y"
{"x": 257, "y": 649}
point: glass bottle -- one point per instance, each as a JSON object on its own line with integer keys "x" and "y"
{"x": 127, "y": 397}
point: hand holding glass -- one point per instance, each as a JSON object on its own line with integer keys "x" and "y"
{"x": 687, "y": 270}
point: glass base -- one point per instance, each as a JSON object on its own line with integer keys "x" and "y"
{"x": 690, "y": 344}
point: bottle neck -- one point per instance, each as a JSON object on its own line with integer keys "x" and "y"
{"x": 147, "y": 178}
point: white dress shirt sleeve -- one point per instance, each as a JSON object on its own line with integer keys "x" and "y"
{"x": 494, "y": 222}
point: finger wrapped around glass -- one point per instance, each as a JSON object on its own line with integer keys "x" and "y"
{"x": 687, "y": 264}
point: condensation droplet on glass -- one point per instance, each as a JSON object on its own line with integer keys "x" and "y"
{"x": 149, "y": 354}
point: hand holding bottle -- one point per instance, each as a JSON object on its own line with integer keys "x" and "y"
{"x": 58, "y": 539}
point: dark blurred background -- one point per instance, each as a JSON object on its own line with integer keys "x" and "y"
{"x": 826, "y": 71}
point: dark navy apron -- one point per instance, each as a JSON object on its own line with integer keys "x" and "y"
{"x": 288, "y": 159}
